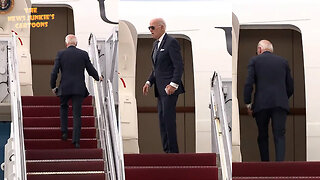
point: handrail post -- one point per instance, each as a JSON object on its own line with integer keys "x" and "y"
{"x": 220, "y": 131}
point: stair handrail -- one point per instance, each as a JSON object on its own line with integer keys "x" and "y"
{"x": 114, "y": 54}
{"x": 116, "y": 133}
{"x": 221, "y": 139}
{"x": 18, "y": 155}
{"x": 115, "y": 125}
{"x": 109, "y": 131}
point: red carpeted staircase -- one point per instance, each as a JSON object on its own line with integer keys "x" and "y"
{"x": 50, "y": 158}
{"x": 171, "y": 166}
{"x": 275, "y": 170}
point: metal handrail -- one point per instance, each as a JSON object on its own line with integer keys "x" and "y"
{"x": 116, "y": 132}
{"x": 114, "y": 55}
{"x": 221, "y": 138}
{"x": 16, "y": 111}
{"x": 110, "y": 136}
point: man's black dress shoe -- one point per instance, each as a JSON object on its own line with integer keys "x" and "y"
{"x": 64, "y": 136}
{"x": 76, "y": 145}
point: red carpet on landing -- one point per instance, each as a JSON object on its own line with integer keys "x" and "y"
{"x": 171, "y": 166}
{"x": 275, "y": 170}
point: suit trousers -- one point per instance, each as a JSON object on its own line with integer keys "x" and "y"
{"x": 167, "y": 120}
{"x": 76, "y": 110}
{"x": 278, "y": 122}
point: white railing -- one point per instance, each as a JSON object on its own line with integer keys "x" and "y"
{"x": 221, "y": 139}
{"x": 109, "y": 130}
{"x": 15, "y": 165}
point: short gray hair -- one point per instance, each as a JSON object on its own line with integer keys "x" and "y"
{"x": 71, "y": 39}
{"x": 265, "y": 45}
{"x": 160, "y": 21}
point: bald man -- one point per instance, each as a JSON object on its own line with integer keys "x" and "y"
{"x": 166, "y": 77}
{"x": 273, "y": 87}
{"x": 71, "y": 62}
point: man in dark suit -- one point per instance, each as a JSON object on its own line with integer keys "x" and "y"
{"x": 71, "y": 62}
{"x": 273, "y": 88}
{"x": 166, "y": 77}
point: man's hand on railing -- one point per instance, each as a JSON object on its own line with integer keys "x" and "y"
{"x": 101, "y": 78}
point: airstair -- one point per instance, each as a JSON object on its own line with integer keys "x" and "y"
{"x": 35, "y": 150}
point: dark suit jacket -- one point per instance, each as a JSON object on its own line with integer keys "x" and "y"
{"x": 273, "y": 82}
{"x": 168, "y": 66}
{"x": 72, "y": 62}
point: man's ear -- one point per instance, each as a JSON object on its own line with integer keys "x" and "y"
{"x": 259, "y": 50}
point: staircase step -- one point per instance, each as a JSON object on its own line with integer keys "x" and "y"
{"x": 52, "y": 111}
{"x": 40, "y": 154}
{"x": 171, "y": 173}
{"x": 58, "y": 144}
{"x": 277, "y": 178}
{"x": 66, "y": 176}
{"x": 87, "y": 121}
{"x": 48, "y": 100}
{"x": 50, "y": 158}
{"x": 60, "y": 166}
{"x": 275, "y": 169}
{"x": 198, "y": 159}
{"x": 55, "y": 132}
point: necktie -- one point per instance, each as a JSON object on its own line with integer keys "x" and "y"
{"x": 155, "y": 50}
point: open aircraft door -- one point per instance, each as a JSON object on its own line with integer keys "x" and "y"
{"x": 127, "y": 73}
{"x": 236, "y": 153}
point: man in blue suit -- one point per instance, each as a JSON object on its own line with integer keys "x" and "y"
{"x": 71, "y": 62}
{"x": 273, "y": 88}
{"x": 166, "y": 77}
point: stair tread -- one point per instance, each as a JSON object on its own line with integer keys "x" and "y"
{"x": 275, "y": 169}
{"x": 64, "y": 176}
{"x": 54, "y": 128}
{"x": 36, "y": 154}
{"x": 202, "y": 159}
{"x": 58, "y": 144}
{"x": 187, "y": 173}
{"x": 51, "y": 133}
{"x": 276, "y": 178}
{"x": 48, "y": 106}
{"x": 49, "y": 117}
{"x": 59, "y": 140}
{"x": 66, "y": 172}
{"x": 65, "y": 166}
{"x": 86, "y": 121}
{"x": 34, "y": 100}
{"x": 169, "y": 167}
{"x": 52, "y": 111}
{"x": 63, "y": 160}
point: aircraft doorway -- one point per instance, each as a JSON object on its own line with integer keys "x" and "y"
{"x": 287, "y": 42}
{"x": 45, "y": 43}
{"x": 148, "y": 123}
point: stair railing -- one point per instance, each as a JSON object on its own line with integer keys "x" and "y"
{"x": 109, "y": 131}
{"x": 15, "y": 164}
{"x": 221, "y": 140}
